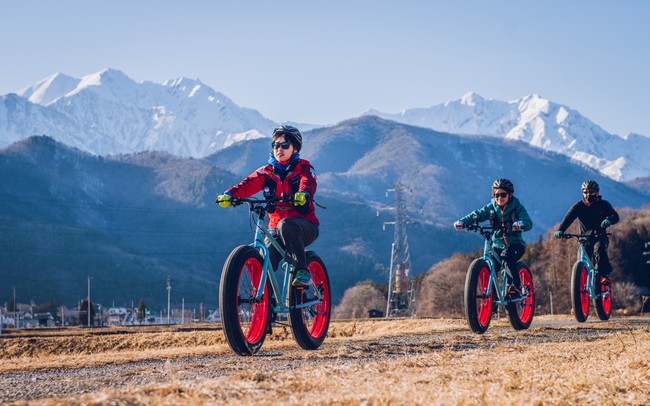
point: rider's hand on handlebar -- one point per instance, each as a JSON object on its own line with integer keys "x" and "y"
{"x": 300, "y": 199}
{"x": 606, "y": 223}
{"x": 559, "y": 234}
{"x": 517, "y": 226}
{"x": 224, "y": 200}
{"x": 458, "y": 225}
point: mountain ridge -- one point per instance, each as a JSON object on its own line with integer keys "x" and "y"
{"x": 109, "y": 113}
{"x": 540, "y": 123}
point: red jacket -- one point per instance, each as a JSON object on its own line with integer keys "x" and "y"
{"x": 300, "y": 177}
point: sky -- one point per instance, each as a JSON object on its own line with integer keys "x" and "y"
{"x": 324, "y": 62}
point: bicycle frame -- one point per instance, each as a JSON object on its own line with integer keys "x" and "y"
{"x": 583, "y": 256}
{"x": 281, "y": 295}
{"x": 491, "y": 257}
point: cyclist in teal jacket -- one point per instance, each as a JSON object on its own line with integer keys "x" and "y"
{"x": 504, "y": 212}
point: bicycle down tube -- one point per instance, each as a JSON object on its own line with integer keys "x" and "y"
{"x": 491, "y": 257}
{"x": 281, "y": 295}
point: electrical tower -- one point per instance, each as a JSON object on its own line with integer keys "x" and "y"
{"x": 401, "y": 284}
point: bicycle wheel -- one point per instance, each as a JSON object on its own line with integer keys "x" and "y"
{"x": 309, "y": 325}
{"x": 244, "y": 319}
{"x": 478, "y": 305}
{"x": 603, "y": 301}
{"x": 521, "y": 313}
{"x": 580, "y": 291}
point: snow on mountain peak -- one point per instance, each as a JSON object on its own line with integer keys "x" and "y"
{"x": 49, "y": 89}
{"x": 108, "y": 113}
{"x": 109, "y": 83}
{"x": 538, "y": 122}
{"x": 471, "y": 99}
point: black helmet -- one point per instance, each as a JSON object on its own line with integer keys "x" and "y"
{"x": 291, "y": 134}
{"x": 590, "y": 185}
{"x": 505, "y": 184}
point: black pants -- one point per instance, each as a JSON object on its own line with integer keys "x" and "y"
{"x": 293, "y": 234}
{"x": 598, "y": 253}
{"x": 511, "y": 254}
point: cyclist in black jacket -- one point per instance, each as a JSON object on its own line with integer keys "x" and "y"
{"x": 595, "y": 215}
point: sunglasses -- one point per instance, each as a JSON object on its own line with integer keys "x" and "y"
{"x": 501, "y": 195}
{"x": 283, "y": 145}
{"x": 590, "y": 192}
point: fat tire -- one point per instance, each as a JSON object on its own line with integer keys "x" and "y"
{"x": 231, "y": 288}
{"x": 478, "y": 311}
{"x": 309, "y": 325}
{"x": 603, "y": 306}
{"x": 521, "y": 313}
{"x": 578, "y": 282}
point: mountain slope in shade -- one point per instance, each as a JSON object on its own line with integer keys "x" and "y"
{"x": 540, "y": 123}
{"x": 447, "y": 175}
{"x": 131, "y": 221}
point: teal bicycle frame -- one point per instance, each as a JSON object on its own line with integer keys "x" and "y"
{"x": 583, "y": 256}
{"x": 586, "y": 283}
{"x": 287, "y": 265}
{"x": 491, "y": 257}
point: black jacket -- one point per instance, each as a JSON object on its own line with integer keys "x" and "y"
{"x": 590, "y": 216}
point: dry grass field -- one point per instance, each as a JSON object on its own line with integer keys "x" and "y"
{"x": 370, "y": 362}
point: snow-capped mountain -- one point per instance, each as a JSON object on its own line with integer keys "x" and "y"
{"x": 108, "y": 113}
{"x": 538, "y": 122}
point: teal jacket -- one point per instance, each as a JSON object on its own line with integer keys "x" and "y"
{"x": 513, "y": 211}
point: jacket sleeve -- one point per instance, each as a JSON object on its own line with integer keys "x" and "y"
{"x": 479, "y": 215}
{"x": 522, "y": 215}
{"x": 252, "y": 184}
{"x": 308, "y": 181}
{"x": 569, "y": 217}
{"x": 612, "y": 215}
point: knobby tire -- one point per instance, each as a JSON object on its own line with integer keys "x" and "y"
{"x": 309, "y": 325}
{"x": 245, "y": 321}
{"x": 521, "y": 313}
{"x": 603, "y": 300}
{"x": 580, "y": 292}
{"x": 478, "y": 306}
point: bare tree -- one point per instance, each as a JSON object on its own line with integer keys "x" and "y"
{"x": 441, "y": 289}
{"x": 359, "y": 300}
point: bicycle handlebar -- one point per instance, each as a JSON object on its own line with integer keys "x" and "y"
{"x": 236, "y": 201}
{"x": 481, "y": 229}
{"x": 583, "y": 236}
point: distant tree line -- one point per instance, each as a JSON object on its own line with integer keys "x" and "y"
{"x": 439, "y": 291}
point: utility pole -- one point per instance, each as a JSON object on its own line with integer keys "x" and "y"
{"x": 169, "y": 292}
{"x": 88, "y": 307}
{"x": 15, "y": 319}
{"x": 401, "y": 287}
{"x": 183, "y": 311}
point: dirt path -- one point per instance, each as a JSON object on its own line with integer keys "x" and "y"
{"x": 398, "y": 361}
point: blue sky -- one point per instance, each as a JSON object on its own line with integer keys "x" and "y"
{"x": 323, "y": 62}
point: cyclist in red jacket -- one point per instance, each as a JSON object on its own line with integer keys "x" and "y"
{"x": 294, "y": 224}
